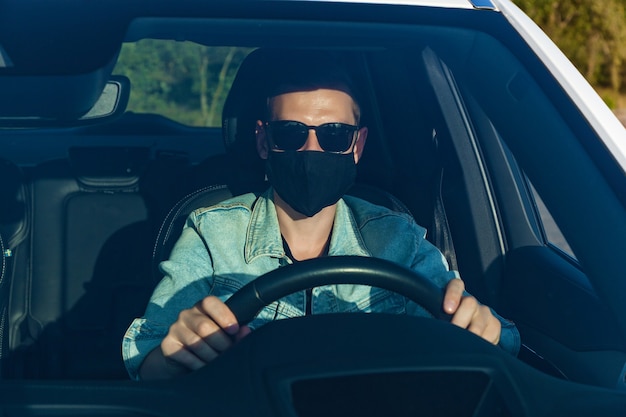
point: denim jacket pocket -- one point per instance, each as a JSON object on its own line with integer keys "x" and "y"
{"x": 225, "y": 287}
{"x": 382, "y": 301}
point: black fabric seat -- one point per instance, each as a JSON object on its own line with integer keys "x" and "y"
{"x": 14, "y": 230}
{"x": 173, "y": 223}
{"x": 83, "y": 271}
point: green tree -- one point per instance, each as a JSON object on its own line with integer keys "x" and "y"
{"x": 186, "y": 81}
{"x": 591, "y": 33}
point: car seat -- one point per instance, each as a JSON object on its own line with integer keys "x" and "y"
{"x": 14, "y": 227}
{"x": 80, "y": 272}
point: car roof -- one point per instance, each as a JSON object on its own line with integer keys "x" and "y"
{"x": 32, "y": 41}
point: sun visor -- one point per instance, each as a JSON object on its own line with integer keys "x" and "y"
{"x": 64, "y": 97}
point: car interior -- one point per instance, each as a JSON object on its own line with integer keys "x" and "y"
{"x": 90, "y": 209}
{"x": 125, "y": 197}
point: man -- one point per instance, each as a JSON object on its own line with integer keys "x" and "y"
{"x": 312, "y": 142}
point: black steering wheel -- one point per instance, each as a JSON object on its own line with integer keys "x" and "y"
{"x": 365, "y": 364}
{"x": 250, "y": 299}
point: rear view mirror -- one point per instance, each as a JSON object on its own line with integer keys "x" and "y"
{"x": 110, "y": 104}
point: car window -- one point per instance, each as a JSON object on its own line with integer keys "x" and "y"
{"x": 184, "y": 81}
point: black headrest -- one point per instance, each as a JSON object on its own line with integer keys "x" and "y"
{"x": 108, "y": 168}
{"x": 244, "y": 105}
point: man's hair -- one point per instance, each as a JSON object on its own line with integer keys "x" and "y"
{"x": 308, "y": 70}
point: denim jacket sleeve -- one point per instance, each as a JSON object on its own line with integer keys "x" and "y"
{"x": 397, "y": 237}
{"x": 429, "y": 258}
{"x": 191, "y": 265}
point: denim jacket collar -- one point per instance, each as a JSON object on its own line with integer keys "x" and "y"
{"x": 263, "y": 237}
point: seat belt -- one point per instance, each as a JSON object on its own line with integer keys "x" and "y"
{"x": 440, "y": 229}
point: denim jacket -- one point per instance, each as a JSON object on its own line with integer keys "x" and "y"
{"x": 225, "y": 246}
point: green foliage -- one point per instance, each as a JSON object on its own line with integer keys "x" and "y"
{"x": 610, "y": 101}
{"x": 183, "y": 80}
{"x": 591, "y": 33}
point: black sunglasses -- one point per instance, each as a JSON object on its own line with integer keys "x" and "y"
{"x": 289, "y": 135}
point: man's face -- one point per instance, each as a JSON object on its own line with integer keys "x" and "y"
{"x": 313, "y": 108}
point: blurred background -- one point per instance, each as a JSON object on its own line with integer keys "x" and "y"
{"x": 592, "y": 33}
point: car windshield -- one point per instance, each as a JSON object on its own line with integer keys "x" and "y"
{"x": 470, "y": 147}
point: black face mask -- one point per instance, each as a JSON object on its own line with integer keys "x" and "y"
{"x": 309, "y": 180}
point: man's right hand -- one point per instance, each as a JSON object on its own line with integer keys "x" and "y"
{"x": 200, "y": 335}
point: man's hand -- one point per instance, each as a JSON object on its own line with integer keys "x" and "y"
{"x": 200, "y": 335}
{"x": 469, "y": 314}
